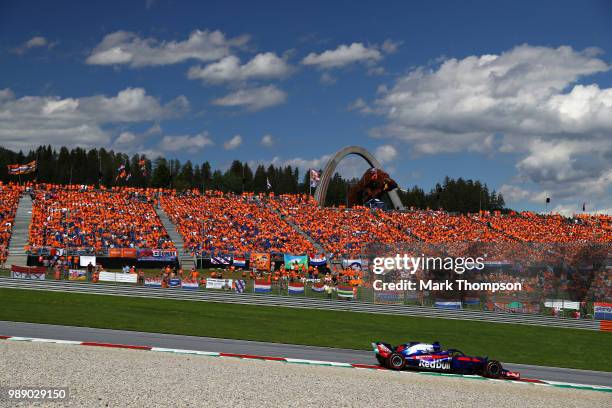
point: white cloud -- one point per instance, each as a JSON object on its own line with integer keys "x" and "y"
{"x": 29, "y": 121}
{"x": 267, "y": 140}
{"x": 253, "y": 99}
{"x": 360, "y": 105}
{"x": 185, "y": 143}
{"x": 385, "y": 154}
{"x": 351, "y": 167}
{"x": 301, "y": 163}
{"x": 525, "y": 101}
{"x": 125, "y": 138}
{"x": 263, "y": 66}
{"x": 126, "y": 48}
{"x": 233, "y": 143}
{"x": 390, "y": 47}
{"x": 327, "y": 78}
{"x": 34, "y": 42}
{"x": 513, "y": 193}
{"x": 344, "y": 55}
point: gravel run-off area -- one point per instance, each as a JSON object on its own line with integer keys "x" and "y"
{"x": 103, "y": 377}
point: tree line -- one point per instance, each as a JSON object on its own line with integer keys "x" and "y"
{"x": 110, "y": 168}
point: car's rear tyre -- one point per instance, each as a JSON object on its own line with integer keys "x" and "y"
{"x": 493, "y": 369}
{"x": 396, "y": 361}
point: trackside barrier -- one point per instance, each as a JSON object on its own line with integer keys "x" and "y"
{"x": 296, "y": 302}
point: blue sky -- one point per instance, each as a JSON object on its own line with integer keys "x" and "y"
{"x": 513, "y": 93}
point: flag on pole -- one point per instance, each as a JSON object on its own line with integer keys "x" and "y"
{"x": 17, "y": 169}
{"x": 583, "y": 207}
{"x": 315, "y": 177}
{"x": 268, "y": 185}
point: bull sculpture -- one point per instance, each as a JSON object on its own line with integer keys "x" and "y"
{"x": 373, "y": 184}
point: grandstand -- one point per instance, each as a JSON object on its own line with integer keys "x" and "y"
{"x": 82, "y": 220}
{"x": 70, "y": 217}
{"x": 218, "y": 222}
{"x": 83, "y": 217}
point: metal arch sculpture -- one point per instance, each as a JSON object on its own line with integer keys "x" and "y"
{"x": 330, "y": 168}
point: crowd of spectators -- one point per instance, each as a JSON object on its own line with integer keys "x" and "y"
{"x": 225, "y": 223}
{"x": 9, "y": 198}
{"x": 440, "y": 227}
{"x": 340, "y": 231}
{"x": 530, "y": 227}
{"x": 81, "y": 217}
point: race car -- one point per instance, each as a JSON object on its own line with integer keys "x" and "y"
{"x": 431, "y": 357}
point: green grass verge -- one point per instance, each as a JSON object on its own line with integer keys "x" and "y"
{"x": 507, "y": 342}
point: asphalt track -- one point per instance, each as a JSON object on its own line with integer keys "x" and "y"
{"x": 265, "y": 349}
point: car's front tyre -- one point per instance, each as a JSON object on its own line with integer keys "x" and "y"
{"x": 396, "y": 361}
{"x": 493, "y": 369}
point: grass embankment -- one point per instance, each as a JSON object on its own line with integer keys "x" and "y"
{"x": 510, "y": 343}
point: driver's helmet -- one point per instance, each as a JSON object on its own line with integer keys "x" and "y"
{"x": 436, "y": 346}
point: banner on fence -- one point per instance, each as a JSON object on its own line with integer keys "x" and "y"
{"x": 86, "y": 260}
{"x": 130, "y": 253}
{"x": 387, "y": 296}
{"x": 174, "y": 283}
{"x": 221, "y": 260}
{"x": 153, "y": 282}
{"x": 318, "y": 287}
{"x": 77, "y": 274}
{"x": 118, "y": 277}
{"x": 560, "y": 304}
{"x": 26, "y": 272}
{"x": 320, "y": 260}
{"x": 472, "y": 301}
{"x": 262, "y": 286}
{"x": 296, "y": 288}
{"x": 260, "y": 261}
{"x": 158, "y": 255}
{"x": 293, "y": 261}
{"x": 240, "y": 285}
{"x": 355, "y": 264}
{"x": 345, "y": 292}
{"x": 239, "y": 262}
{"x": 122, "y": 252}
{"x": 603, "y": 311}
{"x": 212, "y": 283}
{"x": 189, "y": 284}
{"x": 448, "y": 305}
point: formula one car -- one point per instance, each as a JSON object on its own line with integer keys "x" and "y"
{"x": 431, "y": 357}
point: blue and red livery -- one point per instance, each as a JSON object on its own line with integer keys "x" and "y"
{"x": 431, "y": 357}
